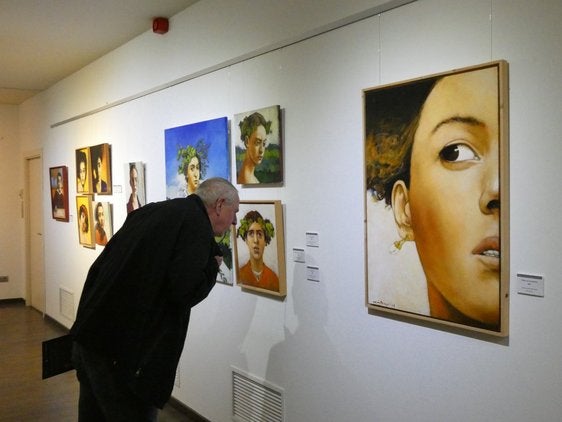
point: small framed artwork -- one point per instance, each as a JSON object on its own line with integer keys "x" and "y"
{"x": 136, "y": 187}
{"x": 259, "y": 247}
{"x": 101, "y": 169}
{"x": 58, "y": 177}
{"x": 84, "y": 220}
{"x": 259, "y": 148}
{"x": 83, "y": 171}
{"x": 103, "y": 218}
{"x": 436, "y": 198}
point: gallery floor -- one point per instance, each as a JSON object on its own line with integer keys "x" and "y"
{"x": 24, "y": 396}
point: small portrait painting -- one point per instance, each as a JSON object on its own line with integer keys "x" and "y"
{"x": 260, "y": 256}
{"x": 83, "y": 171}
{"x": 135, "y": 187}
{"x": 193, "y": 153}
{"x": 435, "y": 174}
{"x": 103, "y": 222}
{"x": 84, "y": 220}
{"x": 58, "y": 177}
{"x": 258, "y": 146}
{"x": 101, "y": 169}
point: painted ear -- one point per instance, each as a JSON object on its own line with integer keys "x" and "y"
{"x": 401, "y": 209}
{"x": 246, "y": 139}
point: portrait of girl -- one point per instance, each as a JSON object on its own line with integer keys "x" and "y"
{"x": 435, "y": 234}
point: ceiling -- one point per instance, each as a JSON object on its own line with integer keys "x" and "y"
{"x": 44, "y": 41}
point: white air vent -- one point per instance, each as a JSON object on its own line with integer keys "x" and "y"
{"x": 255, "y": 400}
{"x": 66, "y": 301}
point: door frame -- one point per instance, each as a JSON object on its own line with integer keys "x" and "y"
{"x": 27, "y": 157}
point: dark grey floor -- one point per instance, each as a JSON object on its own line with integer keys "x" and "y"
{"x": 24, "y": 396}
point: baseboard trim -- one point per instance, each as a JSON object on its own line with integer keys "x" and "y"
{"x": 188, "y": 411}
{"x": 14, "y": 301}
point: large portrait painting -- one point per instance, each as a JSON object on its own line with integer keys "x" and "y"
{"x": 84, "y": 220}
{"x": 260, "y": 250}
{"x": 58, "y": 177}
{"x": 193, "y": 153}
{"x": 436, "y": 178}
{"x": 257, "y": 136}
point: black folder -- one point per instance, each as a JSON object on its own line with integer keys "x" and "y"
{"x": 57, "y": 354}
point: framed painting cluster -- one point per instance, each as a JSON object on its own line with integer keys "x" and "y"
{"x": 93, "y": 177}
{"x": 436, "y": 195}
{"x": 200, "y": 151}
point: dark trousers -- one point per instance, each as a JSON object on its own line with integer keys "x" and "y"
{"x": 104, "y": 396}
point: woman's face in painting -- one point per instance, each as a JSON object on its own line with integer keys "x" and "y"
{"x": 255, "y": 239}
{"x": 454, "y": 193}
{"x": 82, "y": 172}
{"x": 83, "y": 222}
{"x": 133, "y": 180}
{"x": 255, "y": 145}
{"x": 192, "y": 174}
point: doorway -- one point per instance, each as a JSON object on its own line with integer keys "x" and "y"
{"x": 34, "y": 257}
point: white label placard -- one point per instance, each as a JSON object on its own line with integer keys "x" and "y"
{"x": 530, "y": 284}
{"x": 312, "y": 239}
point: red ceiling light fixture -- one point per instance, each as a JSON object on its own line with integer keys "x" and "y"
{"x": 160, "y": 25}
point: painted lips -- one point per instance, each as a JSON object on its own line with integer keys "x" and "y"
{"x": 490, "y": 248}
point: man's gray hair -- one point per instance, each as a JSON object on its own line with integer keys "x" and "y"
{"x": 216, "y": 188}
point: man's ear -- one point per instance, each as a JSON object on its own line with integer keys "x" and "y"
{"x": 401, "y": 209}
{"x": 246, "y": 138}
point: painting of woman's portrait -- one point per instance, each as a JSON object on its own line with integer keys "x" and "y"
{"x": 436, "y": 198}
{"x": 135, "y": 187}
{"x": 193, "y": 153}
{"x": 101, "y": 169}
{"x": 260, "y": 252}
{"x": 103, "y": 222}
{"x": 83, "y": 171}
{"x": 258, "y": 146}
{"x": 58, "y": 177}
{"x": 84, "y": 220}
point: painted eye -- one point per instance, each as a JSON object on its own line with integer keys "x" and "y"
{"x": 455, "y": 153}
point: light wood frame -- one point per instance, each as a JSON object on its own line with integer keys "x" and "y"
{"x": 272, "y": 247}
{"x": 396, "y": 280}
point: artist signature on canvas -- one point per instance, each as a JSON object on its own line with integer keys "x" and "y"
{"x": 383, "y": 303}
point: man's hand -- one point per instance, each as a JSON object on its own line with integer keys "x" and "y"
{"x": 219, "y": 260}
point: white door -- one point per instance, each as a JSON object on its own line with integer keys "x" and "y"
{"x": 34, "y": 221}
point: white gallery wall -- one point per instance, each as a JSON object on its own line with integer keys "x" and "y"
{"x": 11, "y": 219}
{"x": 333, "y": 360}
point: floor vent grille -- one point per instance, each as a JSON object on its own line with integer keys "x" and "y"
{"x": 255, "y": 400}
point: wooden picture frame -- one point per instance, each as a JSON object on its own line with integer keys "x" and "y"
{"x": 258, "y": 146}
{"x": 101, "y": 169}
{"x": 437, "y": 198}
{"x": 83, "y": 171}
{"x": 58, "y": 177}
{"x": 85, "y": 221}
{"x": 260, "y": 229}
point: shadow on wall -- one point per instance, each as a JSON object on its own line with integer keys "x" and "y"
{"x": 306, "y": 364}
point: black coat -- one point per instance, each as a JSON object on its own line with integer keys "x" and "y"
{"x": 138, "y": 294}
